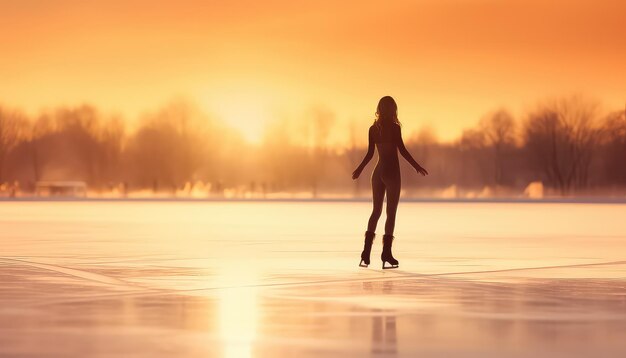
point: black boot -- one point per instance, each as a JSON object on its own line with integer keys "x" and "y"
{"x": 367, "y": 248}
{"x": 387, "y": 256}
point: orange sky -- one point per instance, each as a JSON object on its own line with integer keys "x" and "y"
{"x": 447, "y": 62}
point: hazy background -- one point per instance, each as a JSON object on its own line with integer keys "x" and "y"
{"x": 274, "y": 98}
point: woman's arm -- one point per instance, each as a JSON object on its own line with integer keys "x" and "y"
{"x": 368, "y": 156}
{"x": 405, "y": 153}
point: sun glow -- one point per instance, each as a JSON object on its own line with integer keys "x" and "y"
{"x": 245, "y": 108}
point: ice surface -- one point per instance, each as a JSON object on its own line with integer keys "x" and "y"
{"x": 197, "y": 279}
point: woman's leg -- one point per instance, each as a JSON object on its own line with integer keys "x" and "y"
{"x": 393, "y": 198}
{"x": 378, "y": 196}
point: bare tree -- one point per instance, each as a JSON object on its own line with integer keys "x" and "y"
{"x": 561, "y": 137}
{"x": 423, "y": 141}
{"x": 40, "y": 130}
{"x": 354, "y": 149}
{"x": 79, "y": 127}
{"x": 111, "y": 140}
{"x": 167, "y": 149}
{"x": 498, "y": 129}
{"x": 320, "y": 123}
{"x": 12, "y": 127}
{"x": 474, "y": 163}
{"x": 614, "y": 134}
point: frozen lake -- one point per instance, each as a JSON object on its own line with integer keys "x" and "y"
{"x": 197, "y": 279}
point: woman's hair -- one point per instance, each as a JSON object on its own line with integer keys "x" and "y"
{"x": 386, "y": 112}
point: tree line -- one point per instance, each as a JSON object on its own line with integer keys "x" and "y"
{"x": 568, "y": 144}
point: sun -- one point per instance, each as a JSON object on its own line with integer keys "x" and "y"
{"x": 244, "y": 109}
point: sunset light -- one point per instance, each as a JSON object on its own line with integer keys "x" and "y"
{"x": 448, "y": 62}
{"x": 248, "y": 109}
{"x": 287, "y": 178}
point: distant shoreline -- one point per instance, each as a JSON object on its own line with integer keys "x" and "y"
{"x": 586, "y": 200}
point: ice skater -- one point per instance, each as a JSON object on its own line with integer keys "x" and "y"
{"x": 385, "y": 134}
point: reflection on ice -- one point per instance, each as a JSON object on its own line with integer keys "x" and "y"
{"x": 197, "y": 279}
{"x": 238, "y": 314}
{"x": 384, "y": 334}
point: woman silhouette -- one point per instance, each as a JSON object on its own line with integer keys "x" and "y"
{"x": 385, "y": 134}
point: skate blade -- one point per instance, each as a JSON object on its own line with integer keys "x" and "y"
{"x": 363, "y": 264}
{"x": 392, "y": 266}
